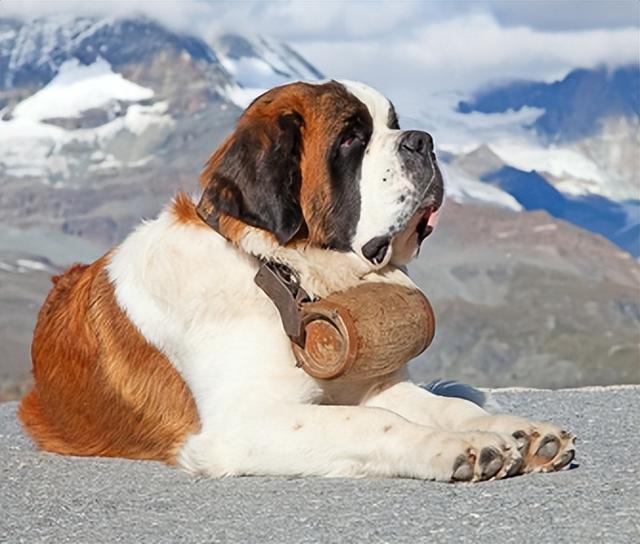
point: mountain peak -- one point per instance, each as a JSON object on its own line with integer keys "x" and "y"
{"x": 273, "y": 55}
{"x": 31, "y": 53}
{"x": 479, "y": 162}
{"x": 257, "y": 63}
{"x": 573, "y": 106}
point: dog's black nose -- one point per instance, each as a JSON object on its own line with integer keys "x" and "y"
{"x": 416, "y": 141}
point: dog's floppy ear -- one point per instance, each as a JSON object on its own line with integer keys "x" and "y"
{"x": 255, "y": 177}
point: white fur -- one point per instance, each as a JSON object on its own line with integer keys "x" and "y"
{"x": 191, "y": 294}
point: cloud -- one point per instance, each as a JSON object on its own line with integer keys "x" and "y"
{"x": 404, "y": 48}
{"x": 468, "y": 51}
{"x": 566, "y": 15}
{"x": 286, "y": 19}
{"x": 309, "y": 19}
{"x": 183, "y": 16}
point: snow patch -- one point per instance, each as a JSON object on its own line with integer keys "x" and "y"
{"x": 272, "y": 64}
{"x": 32, "y": 265}
{"x": 463, "y": 188}
{"x": 544, "y": 228}
{"x": 26, "y": 146}
{"x": 42, "y": 40}
{"x": 459, "y": 133}
{"x": 109, "y": 162}
{"x": 77, "y": 88}
{"x": 508, "y": 135}
{"x": 253, "y": 72}
{"x": 557, "y": 161}
{"x": 30, "y": 147}
{"x": 242, "y": 96}
{"x": 137, "y": 120}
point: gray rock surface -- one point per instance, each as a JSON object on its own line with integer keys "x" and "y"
{"x": 47, "y": 498}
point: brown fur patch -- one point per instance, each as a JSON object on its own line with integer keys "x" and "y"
{"x": 184, "y": 210}
{"x": 100, "y": 388}
{"x": 233, "y": 229}
{"x": 324, "y": 110}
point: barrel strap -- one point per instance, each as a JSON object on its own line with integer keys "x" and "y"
{"x": 282, "y": 285}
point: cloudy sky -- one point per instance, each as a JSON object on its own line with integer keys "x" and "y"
{"x": 407, "y": 45}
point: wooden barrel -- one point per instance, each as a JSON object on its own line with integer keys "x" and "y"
{"x": 367, "y": 331}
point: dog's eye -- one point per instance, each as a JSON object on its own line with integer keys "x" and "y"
{"x": 347, "y": 141}
{"x": 351, "y": 140}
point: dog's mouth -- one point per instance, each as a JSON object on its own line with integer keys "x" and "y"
{"x": 427, "y": 221}
{"x": 422, "y": 224}
{"x": 407, "y": 242}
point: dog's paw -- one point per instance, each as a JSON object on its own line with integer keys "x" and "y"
{"x": 478, "y": 456}
{"x": 544, "y": 447}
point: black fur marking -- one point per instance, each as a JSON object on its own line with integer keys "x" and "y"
{"x": 258, "y": 186}
{"x": 345, "y": 166}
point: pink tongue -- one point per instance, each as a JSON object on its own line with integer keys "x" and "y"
{"x": 433, "y": 219}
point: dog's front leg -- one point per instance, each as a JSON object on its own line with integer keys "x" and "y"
{"x": 303, "y": 439}
{"x": 416, "y": 404}
{"x": 543, "y": 446}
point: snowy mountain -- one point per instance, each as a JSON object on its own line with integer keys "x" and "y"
{"x": 592, "y": 117}
{"x": 618, "y": 221}
{"x": 102, "y": 120}
{"x": 574, "y": 107}
{"x": 32, "y": 52}
{"x": 571, "y": 147}
{"x": 258, "y": 64}
{"x": 92, "y": 95}
{"x": 73, "y": 122}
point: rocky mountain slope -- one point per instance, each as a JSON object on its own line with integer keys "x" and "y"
{"x": 101, "y": 121}
{"x": 523, "y": 298}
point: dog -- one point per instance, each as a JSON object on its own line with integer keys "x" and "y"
{"x": 165, "y": 348}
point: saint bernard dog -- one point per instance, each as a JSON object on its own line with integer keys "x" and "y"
{"x": 165, "y": 348}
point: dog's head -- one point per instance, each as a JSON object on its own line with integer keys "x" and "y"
{"x": 327, "y": 165}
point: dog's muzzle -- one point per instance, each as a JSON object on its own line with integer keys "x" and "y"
{"x": 418, "y": 159}
{"x": 419, "y": 165}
